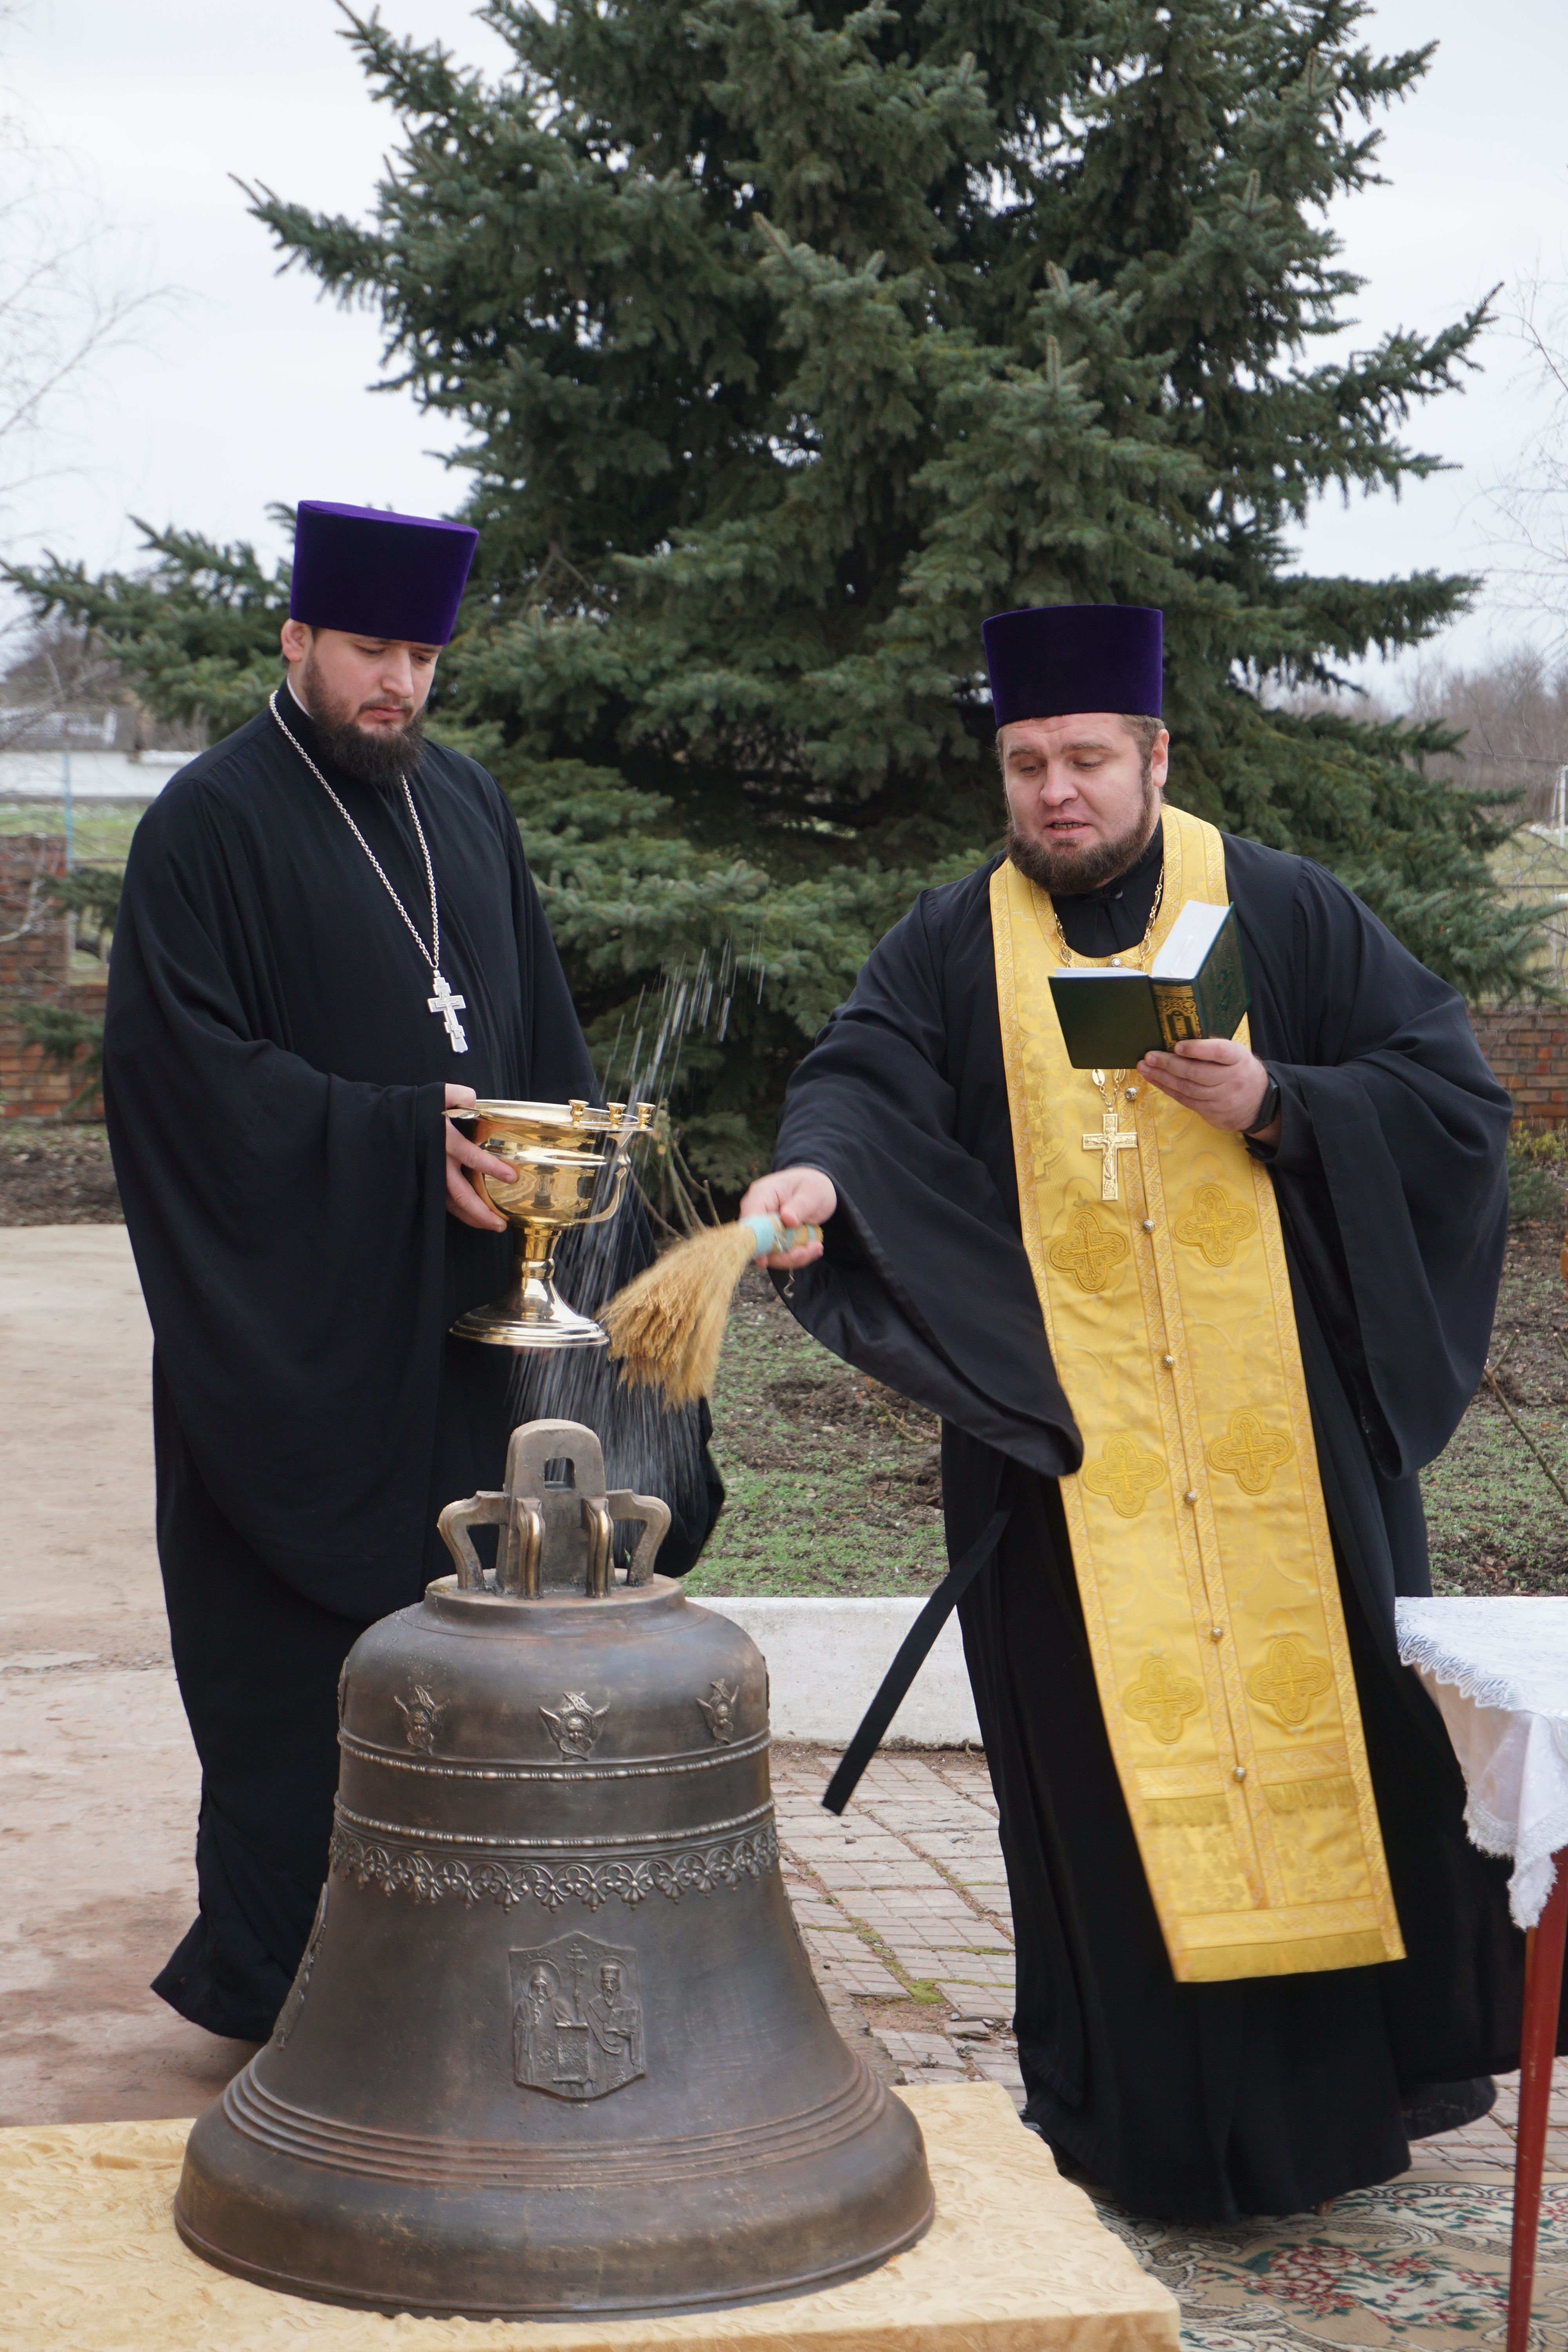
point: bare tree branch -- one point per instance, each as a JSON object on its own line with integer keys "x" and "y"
{"x": 65, "y": 303}
{"x": 37, "y": 910}
{"x": 1530, "y": 505}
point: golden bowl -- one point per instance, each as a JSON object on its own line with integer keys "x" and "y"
{"x": 571, "y": 1163}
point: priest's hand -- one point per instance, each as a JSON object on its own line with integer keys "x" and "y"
{"x": 796, "y": 1196}
{"x": 463, "y": 1200}
{"x": 1220, "y": 1079}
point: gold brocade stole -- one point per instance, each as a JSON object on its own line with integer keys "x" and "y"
{"x": 1199, "y": 1536}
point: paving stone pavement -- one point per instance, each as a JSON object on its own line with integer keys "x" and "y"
{"x": 903, "y": 1906}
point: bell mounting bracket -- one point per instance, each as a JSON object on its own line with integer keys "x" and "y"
{"x": 557, "y": 1531}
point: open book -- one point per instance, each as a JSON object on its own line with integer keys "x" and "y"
{"x": 1196, "y": 987}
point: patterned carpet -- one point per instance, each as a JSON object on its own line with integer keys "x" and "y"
{"x": 1417, "y": 2268}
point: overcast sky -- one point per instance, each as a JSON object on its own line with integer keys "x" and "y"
{"x": 244, "y": 387}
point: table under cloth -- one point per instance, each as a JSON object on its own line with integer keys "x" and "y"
{"x": 1498, "y": 1670}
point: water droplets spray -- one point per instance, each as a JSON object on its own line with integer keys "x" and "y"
{"x": 693, "y": 1001}
{"x": 647, "y": 1446}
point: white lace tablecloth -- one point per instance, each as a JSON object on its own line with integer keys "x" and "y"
{"x": 1498, "y": 1672}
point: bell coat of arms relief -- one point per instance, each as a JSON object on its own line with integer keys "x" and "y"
{"x": 576, "y": 2018}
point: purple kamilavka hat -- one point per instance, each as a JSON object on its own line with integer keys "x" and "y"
{"x": 1048, "y": 660}
{"x": 379, "y": 574}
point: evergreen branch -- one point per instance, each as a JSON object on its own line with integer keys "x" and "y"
{"x": 69, "y": 1040}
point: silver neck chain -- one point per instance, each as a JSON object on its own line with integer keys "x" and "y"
{"x": 432, "y": 954}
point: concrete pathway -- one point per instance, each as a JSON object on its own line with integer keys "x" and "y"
{"x": 98, "y": 1776}
{"x": 78, "y": 1563}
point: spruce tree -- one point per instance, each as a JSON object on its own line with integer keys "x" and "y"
{"x": 781, "y": 342}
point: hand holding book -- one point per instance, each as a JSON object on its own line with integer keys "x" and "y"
{"x": 1176, "y": 1023}
{"x": 1222, "y": 1081}
{"x": 1113, "y": 1015}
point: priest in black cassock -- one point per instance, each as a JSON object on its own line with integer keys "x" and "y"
{"x": 327, "y": 939}
{"x": 1193, "y": 1328}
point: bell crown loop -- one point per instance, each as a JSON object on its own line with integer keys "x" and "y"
{"x": 556, "y": 1521}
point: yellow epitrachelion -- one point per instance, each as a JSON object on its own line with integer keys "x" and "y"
{"x": 1199, "y": 1536}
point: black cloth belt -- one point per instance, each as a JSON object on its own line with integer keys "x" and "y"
{"x": 913, "y": 1651}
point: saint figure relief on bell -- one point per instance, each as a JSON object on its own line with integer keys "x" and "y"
{"x": 574, "y": 1723}
{"x": 576, "y": 2018}
{"x": 719, "y": 1708}
{"x": 421, "y": 1716}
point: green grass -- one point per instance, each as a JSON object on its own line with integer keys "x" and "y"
{"x": 832, "y": 1481}
{"x": 1495, "y": 1522}
{"x": 833, "y": 1486}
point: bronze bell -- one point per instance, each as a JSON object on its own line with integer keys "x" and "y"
{"x": 555, "y": 2045}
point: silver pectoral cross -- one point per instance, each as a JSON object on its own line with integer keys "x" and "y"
{"x": 1108, "y": 1142}
{"x": 448, "y": 1006}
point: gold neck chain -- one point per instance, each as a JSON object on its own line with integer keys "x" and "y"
{"x": 1142, "y": 954}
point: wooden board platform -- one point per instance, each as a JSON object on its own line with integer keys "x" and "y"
{"x": 1017, "y": 2261}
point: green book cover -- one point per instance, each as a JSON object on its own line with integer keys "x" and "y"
{"x": 1108, "y": 1018}
{"x": 1196, "y": 987}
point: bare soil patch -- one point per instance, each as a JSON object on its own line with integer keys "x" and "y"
{"x": 57, "y": 1176}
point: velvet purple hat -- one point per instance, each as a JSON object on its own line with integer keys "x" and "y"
{"x": 1048, "y": 660}
{"x": 378, "y": 574}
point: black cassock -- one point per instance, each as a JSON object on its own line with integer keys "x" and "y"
{"x": 1198, "y": 2102}
{"x": 273, "y": 1083}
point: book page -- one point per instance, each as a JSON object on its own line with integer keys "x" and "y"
{"x": 1191, "y": 937}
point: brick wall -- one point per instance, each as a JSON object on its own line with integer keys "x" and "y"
{"x": 35, "y": 954}
{"x": 1527, "y": 1045}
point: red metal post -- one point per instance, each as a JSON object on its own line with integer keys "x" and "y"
{"x": 1543, "y": 1991}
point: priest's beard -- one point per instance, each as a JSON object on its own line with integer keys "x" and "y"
{"x": 377, "y": 758}
{"x": 1066, "y": 872}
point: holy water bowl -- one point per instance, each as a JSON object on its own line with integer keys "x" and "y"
{"x": 571, "y": 1164}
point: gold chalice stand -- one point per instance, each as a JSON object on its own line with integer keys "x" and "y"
{"x": 571, "y": 1167}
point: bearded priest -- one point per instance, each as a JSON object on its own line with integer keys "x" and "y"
{"x": 328, "y": 938}
{"x": 1184, "y": 1403}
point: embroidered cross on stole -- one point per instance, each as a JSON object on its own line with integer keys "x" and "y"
{"x": 1199, "y": 1536}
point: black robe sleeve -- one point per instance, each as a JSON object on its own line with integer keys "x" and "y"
{"x": 1389, "y": 1169}
{"x": 925, "y": 1284}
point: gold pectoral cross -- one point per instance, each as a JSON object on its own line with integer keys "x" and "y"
{"x": 1108, "y": 1142}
